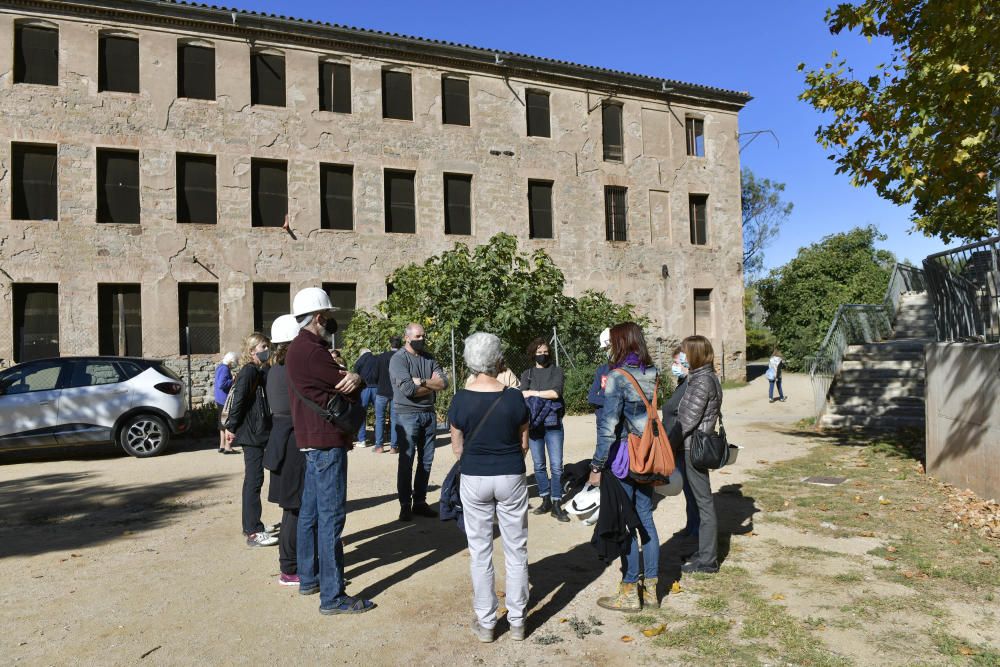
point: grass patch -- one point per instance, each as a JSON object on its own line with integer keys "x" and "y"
{"x": 848, "y": 578}
{"x": 713, "y": 603}
{"x": 733, "y": 384}
{"x": 806, "y": 424}
{"x": 976, "y": 654}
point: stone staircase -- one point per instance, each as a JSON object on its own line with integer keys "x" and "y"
{"x": 881, "y": 385}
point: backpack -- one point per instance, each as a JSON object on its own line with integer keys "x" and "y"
{"x": 650, "y": 457}
{"x": 228, "y": 405}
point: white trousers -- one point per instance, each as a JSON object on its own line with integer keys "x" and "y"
{"x": 507, "y": 497}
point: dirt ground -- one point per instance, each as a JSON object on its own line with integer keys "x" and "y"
{"x": 111, "y": 560}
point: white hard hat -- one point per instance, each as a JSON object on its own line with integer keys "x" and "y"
{"x": 586, "y": 504}
{"x": 672, "y": 486}
{"x": 284, "y": 329}
{"x": 605, "y": 338}
{"x": 310, "y": 300}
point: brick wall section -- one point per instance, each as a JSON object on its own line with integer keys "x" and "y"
{"x": 78, "y": 253}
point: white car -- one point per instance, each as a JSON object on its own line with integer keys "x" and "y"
{"x": 136, "y": 403}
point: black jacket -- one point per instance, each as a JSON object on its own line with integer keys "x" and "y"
{"x": 367, "y": 367}
{"x": 249, "y": 417}
{"x": 617, "y": 521}
{"x": 451, "y": 497}
{"x": 384, "y": 384}
{"x": 671, "y": 421}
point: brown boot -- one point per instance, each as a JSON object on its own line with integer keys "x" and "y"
{"x": 648, "y": 593}
{"x": 627, "y": 599}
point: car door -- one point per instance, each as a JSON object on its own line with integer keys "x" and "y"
{"x": 93, "y": 398}
{"x": 29, "y": 399}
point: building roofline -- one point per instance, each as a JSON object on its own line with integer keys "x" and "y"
{"x": 275, "y": 28}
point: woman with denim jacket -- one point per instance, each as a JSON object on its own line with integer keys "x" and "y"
{"x": 624, "y": 407}
{"x": 699, "y": 410}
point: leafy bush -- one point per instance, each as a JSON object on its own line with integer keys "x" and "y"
{"x": 760, "y": 342}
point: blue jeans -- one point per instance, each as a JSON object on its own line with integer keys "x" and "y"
{"x": 549, "y": 438}
{"x": 641, "y": 496}
{"x": 367, "y": 398}
{"x": 770, "y": 388}
{"x": 321, "y": 523}
{"x": 415, "y": 436}
{"x": 381, "y": 405}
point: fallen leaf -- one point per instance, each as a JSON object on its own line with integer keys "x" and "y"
{"x": 867, "y": 533}
{"x": 864, "y": 515}
{"x": 777, "y": 596}
{"x": 787, "y": 503}
{"x": 986, "y": 562}
{"x": 724, "y": 472}
{"x": 882, "y": 500}
{"x": 858, "y": 499}
{"x": 965, "y": 650}
{"x": 501, "y": 594}
{"x": 626, "y": 639}
{"x": 890, "y": 558}
{"x": 675, "y": 588}
{"x": 655, "y": 630}
{"x": 762, "y": 461}
{"x": 563, "y": 620}
{"x": 891, "y": 549}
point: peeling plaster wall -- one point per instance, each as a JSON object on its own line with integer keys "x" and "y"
{"x": 78, "y": 253}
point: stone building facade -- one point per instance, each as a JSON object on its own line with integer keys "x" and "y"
{"x": 684, "y": 279}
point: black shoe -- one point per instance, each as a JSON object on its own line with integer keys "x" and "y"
{"x": 545, "y": 507}
{"x": 559, "y": 513}
{"x": 405, "y": 514}
{"x": 424, "y": 509}
{"x": 691, "y": 568}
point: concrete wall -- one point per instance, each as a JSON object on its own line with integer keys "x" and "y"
{"x": 963, "y": 415}
{"x": 78, "y": 253}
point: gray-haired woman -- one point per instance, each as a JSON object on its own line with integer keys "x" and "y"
{"x": 489, "y": 434}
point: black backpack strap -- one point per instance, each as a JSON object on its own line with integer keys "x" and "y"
{"x": 312, "y": 406}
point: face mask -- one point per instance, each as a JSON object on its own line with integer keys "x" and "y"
{"x": 417, "y": 345}
{"x": 678, "y": 371}
{"x": 263, "y": 356}
{"x": 542, "y": 359}
{"x": 329, "y": 328}
{"x": 682, "y": 359}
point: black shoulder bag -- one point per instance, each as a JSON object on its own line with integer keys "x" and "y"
{"x": 339, "y": 411}
{"x": 709, "y": 451}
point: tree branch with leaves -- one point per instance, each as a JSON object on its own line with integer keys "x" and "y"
{"x": 923, "y": 128}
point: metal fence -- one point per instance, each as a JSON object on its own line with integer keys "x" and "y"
{"x": 856, "y": 324}
{"x": 964, "y": 286}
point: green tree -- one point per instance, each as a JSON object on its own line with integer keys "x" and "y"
{"x": 494, "y": 288}
{"x": 802, "y": 296}
{"x": 924, "y": 128}
{"x": 763, "y": 214}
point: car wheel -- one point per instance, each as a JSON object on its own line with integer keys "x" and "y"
{"x": 144, "y": 435}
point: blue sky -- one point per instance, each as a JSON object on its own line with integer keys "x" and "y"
{"x": 753, "y": 46}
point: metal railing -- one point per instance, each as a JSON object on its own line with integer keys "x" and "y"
{"x": 856, "y": 324}
{"x": 964, "y": 286}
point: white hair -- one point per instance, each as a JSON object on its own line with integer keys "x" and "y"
{"x": 229, "y": 358}
{"x": 482, "y": 353}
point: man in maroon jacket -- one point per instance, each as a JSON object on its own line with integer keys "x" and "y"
{"x": 313, "y": 377}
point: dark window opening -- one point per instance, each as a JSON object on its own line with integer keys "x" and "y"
{"x": 455, "y": 101}
{"x": 703, "y": 312}
{"x": 36, "y": 55}
{"x": 196, "y": 189}
{"x": 698, "y": 206}
{"x": 400, "y": 203}
{"x": 694, "y": 129}
{"x": 198, "y": 304}
{"x": 119, "y": 320}
{"x": 270, "y": 301}
{"x": 344, "y": 299}
{"x": 195, "y": 72}
{"x": 268, "y": 192}
{"x": 615, "y": 213}
{"x": 336, "y": 184}
{"x": 539, "y": 209}
{"x": 538, "y": 113}
{"x": 335, "y": 87}
{"x": 613, "y": 132}
{"x": 36, "y": 321}
{"x": 267, "y": 79}
{"x": 397, "y": 95}
{"x": 118, "y": 64}
{"x": 117, "y": 186}
{"x": 34, "y": 172}
{"x": 457, "y": 204}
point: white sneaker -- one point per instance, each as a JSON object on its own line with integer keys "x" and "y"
{"x": 361, "y": 443}
{"x": 261, "y": 540}
{"x": 273, "y": 529}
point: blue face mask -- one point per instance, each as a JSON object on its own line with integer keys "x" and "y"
{"x": 682, "y": 359}
{"x": 678, "y": 371}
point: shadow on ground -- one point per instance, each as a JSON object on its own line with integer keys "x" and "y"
{"x": 62, "y": 511}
